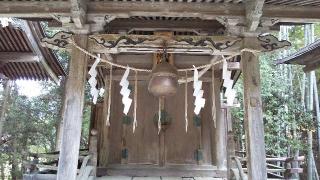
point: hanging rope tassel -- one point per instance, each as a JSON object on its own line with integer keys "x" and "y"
{"x": 213, "y": 98}
{"x": 159, "y": 116}
{"x": 105, "y": 100}
{"x": 135, "y": 123}
{"x": 186, "y": 101}
{"x": 109, "y": 98}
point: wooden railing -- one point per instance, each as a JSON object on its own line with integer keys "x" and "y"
{"x": 48, "y": 162}
{"x": 285, "y": 171}
{"x": 278, "y": 167}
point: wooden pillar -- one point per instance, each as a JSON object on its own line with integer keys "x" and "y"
{"x": 219, "y": 136}
{"x": 93, "y": 150}
{"x": 74, "y": 100}
{"x": 59, "y": 126}
{"x": 253, "y": 121}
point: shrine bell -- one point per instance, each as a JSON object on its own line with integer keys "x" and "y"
{"x": 164, "y": 79}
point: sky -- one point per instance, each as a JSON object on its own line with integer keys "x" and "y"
{"x": 29, "y": 88}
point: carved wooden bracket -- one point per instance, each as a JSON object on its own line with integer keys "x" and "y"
{"x": 208, "y": 41}
{"x": 271, "y": 43}
{"x": 210, "y": 45}
{"x": 58, "y": 41}
{"x": 116, "y": 41}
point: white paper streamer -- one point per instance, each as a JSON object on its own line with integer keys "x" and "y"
{"x": 93, "y": 81}
{"x": 125, "y": 92}
{"x": 198, "y": 93}
{"x": 228, "y": 83}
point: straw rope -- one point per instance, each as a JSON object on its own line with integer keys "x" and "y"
{"x": 149, "y": 70}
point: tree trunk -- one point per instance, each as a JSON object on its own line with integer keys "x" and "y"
{"x": 309, "y": 38}
{"x": 316, "y": 102}
{"x": 6, "y": 94}
{"x": 2, "y": 170}
{"x": 14, "y": 161}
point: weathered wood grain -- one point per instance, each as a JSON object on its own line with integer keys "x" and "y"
{"x": 70, "y": 145}
{"x": 253, "y": 121}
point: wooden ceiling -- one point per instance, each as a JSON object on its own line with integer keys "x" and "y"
{"x": 19, "y": 60}
{"x": 95, "y": 14}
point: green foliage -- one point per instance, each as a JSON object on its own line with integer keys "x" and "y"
{"x": 31, "y": 126}
{"x": 284, "y": 115}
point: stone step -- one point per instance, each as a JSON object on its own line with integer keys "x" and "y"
{"x": 156, "y": 178}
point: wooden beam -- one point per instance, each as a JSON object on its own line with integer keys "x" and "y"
{"x": 28, "y": 30}
{"x": 78, "y": 11}
{"x": 180, "y": 61}
{"x": 253, "y": 13}
{"x": 253, "y": 121}
{"x": 311, "y": 67}
{"x": 192, "y": 25}
{"x": 226, "y": 45}
{"x": 34, "y": 9}
{"x": 140, "y": 170}
{"x": 97, "y": 10}
{"x": 74, "y": 100}
{"x": 204, "y": 45}
{"x": 6, "y": 57}
{"x": 201, "y": 10}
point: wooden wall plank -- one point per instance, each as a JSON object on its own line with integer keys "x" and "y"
{"x": 181, "y": 146}
{"x": 143, "y": 145}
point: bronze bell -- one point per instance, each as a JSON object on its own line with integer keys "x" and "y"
{"x": 164, "y": 80}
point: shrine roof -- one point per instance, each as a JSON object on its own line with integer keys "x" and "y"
{"x": 22, "y": 56}
{"x": 308, "y": 56}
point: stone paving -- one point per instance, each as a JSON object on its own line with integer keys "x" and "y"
{"x": 156, "y": 178}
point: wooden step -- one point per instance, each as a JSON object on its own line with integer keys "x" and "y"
{"x": 134, "y": 170}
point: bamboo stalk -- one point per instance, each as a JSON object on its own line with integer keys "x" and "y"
{"x": 316, "y": 101}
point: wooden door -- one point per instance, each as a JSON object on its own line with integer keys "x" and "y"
{"x": 143, "y": 146}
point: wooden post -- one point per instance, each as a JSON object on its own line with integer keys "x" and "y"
{"x": 69, "y": 153}
{"x": 220, "y": 131}
{"x": 93, "y": 149}
{"x": 253, "y": 121}
{"x": 230, "y": 153}
{"x": 103, "y": 129}
{"x": 59, "y": 126}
